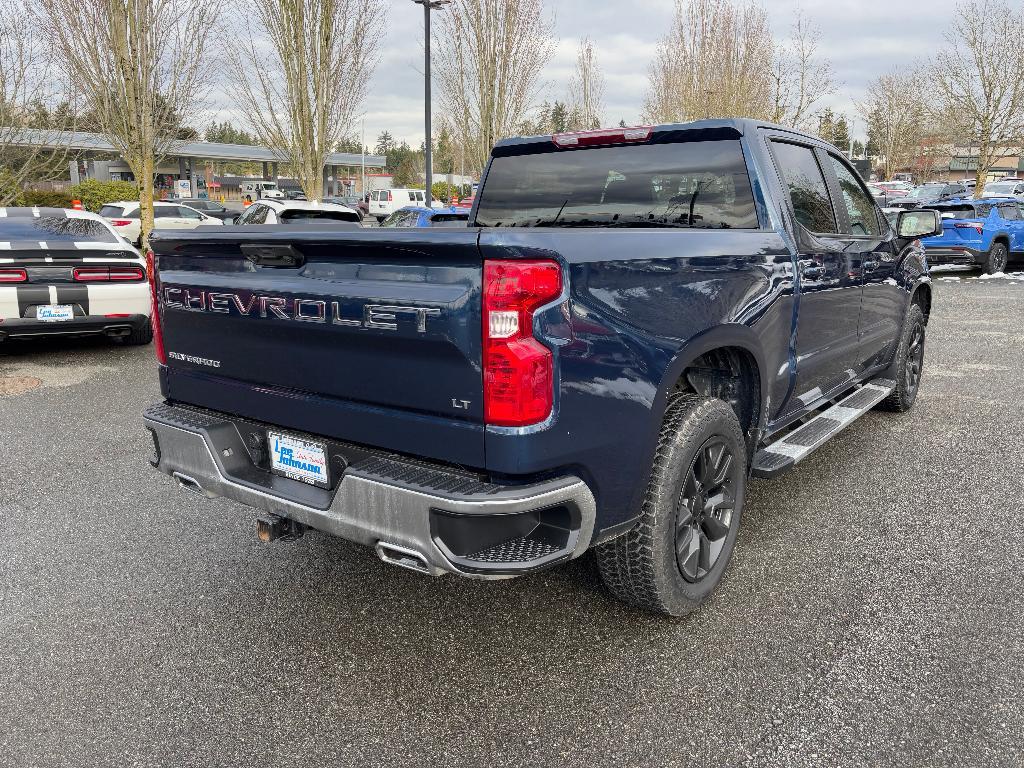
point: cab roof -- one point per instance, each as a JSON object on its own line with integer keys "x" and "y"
{"x": 727, "y": 128}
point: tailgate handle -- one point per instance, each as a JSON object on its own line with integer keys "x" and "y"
{"x": 274, "y": 255}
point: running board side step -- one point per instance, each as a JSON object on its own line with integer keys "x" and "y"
{"x": 789, "y": 451}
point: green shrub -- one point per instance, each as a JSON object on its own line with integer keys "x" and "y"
{"x": 95, "y": 194}
{"x": 44, "y": 199}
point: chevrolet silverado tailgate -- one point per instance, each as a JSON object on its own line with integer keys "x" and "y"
{"x": 365, "y": 335}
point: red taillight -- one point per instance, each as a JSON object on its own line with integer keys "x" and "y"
{"x": 602, "y": 137}
{"x": 154, "y": 317}
{"x": 127, "y": 273}
{"x": 91, "y": 274}
{"x": 13, "y": 276}
{"x": 518, "y": 369}
{"x": 389, "y": 197}
{"x": 104, "y": 274}
{"x": 120, "y": 222}
{"x": 979, "y": 228}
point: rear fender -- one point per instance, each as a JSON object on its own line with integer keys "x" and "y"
{"x": 728, "y": 335}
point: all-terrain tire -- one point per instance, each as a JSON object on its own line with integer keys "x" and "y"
{"x": 641, "y": 567}
{"x": 995, "y": 261}
{"x": 140, "y": 336}
{"x": 908, "y": 364}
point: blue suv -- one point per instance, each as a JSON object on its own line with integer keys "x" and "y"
{"x": 421, "y": 216}
{"x": 987, "y": 232}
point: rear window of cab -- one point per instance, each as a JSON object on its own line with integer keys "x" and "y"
{"x": 692, "y": 185}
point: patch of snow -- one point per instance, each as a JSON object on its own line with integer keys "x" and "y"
{"x": 994, "y": 276}
{"x": 949, "y": 279}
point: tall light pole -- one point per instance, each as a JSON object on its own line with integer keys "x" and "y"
{"x": 428, "y": 6}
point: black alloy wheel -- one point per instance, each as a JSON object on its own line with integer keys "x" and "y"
{"x": 998, "y": 256}
{"x": 704, "y": 511}
{"x": 915, "y": 360}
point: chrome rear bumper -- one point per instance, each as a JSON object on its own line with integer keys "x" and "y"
{"x": 444, "y": 520}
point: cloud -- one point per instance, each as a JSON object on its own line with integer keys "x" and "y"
{"x": 862, "y": 38}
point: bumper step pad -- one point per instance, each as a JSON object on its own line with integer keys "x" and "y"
{"x": 789, "y": 451}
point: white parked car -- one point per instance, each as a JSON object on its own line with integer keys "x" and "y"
{"x": 1005, "y": 188}
{"x": 69, "y": 273}
{"x": 296, "y": 212}
{"x": 384, "y": 202}
{"x": 124, "y": 216}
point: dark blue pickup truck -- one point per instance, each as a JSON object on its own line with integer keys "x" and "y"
{"x": 634, "y": 322}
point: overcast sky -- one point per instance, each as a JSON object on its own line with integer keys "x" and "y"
{"x": 862, "y": 38}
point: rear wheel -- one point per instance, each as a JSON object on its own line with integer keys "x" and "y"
{"x": 996, "y": 259}
{"x": 673, "y": 559}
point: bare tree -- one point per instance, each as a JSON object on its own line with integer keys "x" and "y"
{"x": 896, "y": 120}
{"x": 586, "y": 89}
{"x": 315, "y": 60}
{"x": 979, "y": 81}
{"x": 139, "y": 66}
{"x": 31, "y": 97}
{"x": 800, "y": 78}
{"x": 715, "y": 61}
{"x": 488, "y": 66}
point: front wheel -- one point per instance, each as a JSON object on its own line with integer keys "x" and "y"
{"x": 676, "y": 555}
{"x": 908, "y": 364}
{"x": 996, "y": 259}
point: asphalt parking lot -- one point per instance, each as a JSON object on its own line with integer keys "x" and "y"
{"x": 871, "y": 616}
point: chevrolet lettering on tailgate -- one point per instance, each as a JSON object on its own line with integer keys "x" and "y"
{"x": 380, "y": 316}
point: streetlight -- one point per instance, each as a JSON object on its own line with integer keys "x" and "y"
{"x": 428, "y": 6}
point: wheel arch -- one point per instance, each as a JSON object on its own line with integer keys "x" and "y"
{"x": 1001, "y": 237}
{"x": 725, "y": 362}
{"x": 922, "y": 296}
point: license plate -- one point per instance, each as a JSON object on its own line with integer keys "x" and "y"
{"x": 298, "y": 459}
{"x": 53, "y": 313}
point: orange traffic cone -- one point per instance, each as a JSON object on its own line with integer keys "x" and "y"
{"x": 77, "y": 205}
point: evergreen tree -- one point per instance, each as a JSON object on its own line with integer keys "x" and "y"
{"x": 385, "y": 144}
{"x": 444, "y": 151}
{"x": 840, "y": 134}
{"x": 559, "y": 118}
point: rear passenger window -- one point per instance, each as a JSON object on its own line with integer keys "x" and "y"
{"x": 860, "y": 208}
{"x": 807, "y": 189}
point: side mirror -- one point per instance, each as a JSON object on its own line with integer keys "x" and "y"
{"x": 915, "y": 224}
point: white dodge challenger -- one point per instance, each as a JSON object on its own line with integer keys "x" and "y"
{"x": 67, "y": 272}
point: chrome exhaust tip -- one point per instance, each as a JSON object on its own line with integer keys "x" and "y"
{"x": 403, "y": 557}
